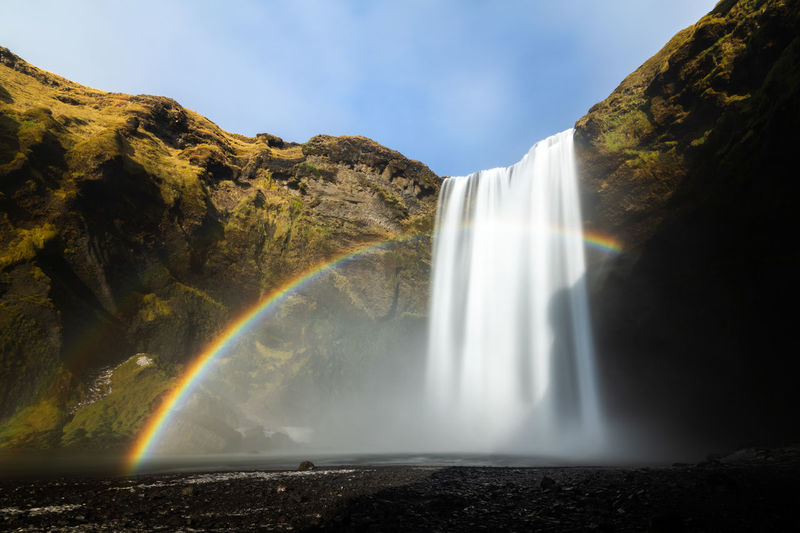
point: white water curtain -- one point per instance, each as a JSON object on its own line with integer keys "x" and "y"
{"x": 511, "y": 360}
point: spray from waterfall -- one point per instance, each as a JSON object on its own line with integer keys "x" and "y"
{"x": 511, "y": 363}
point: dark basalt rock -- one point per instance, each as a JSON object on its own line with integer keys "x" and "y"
{"x": 271, "y": 140}
{"x": 354, "y": 151}
{"x": 548, "y": 483}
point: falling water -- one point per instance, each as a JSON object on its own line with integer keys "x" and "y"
{"x": 510, "y": 364}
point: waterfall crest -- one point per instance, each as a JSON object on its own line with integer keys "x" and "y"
{"x": 511, "y": 362}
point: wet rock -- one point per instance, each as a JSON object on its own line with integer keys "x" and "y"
{"x": 547, "y": 483}
{"x": 306, "y": 465}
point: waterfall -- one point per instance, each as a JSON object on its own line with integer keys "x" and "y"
{"x": 510, "y": 362}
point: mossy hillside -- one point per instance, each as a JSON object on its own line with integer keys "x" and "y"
{"x": 181, "y": 318}
{"x": 690, "y": 162}
{"x": 24, "y": 243}
{"x": 36, "y": 426}
{"x": 137, "y": 387}
{"x": 151, "y": 228}
{"x": 637, "y": 146}
{"x": 30, "y": 335}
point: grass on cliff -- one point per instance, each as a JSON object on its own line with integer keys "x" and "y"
{"x": 35, "y": 426}
{"x": 136, "y": 390}
{"x": 624, "y": 131}
{"x": 25, "y": 244}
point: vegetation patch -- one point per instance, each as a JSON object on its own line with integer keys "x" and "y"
{"x": 35, "y": 426}
{"x": 626, "y": 130}
{"x": 306, "y": 169}
{"x": 153, "y": 307}
{"x": 137, "y": 386}
{"x": 26, "y": 243}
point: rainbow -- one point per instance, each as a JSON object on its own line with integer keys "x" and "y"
{"x": 158, "y": 421}
{"x": 156, "y": 424}
{"x": 601, "y": 242}
{"x": 592, "y": 239}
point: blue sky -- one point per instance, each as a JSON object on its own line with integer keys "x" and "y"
{"x": 458, "y": 84}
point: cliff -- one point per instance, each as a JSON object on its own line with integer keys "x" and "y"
{"x": 690, "y": 162}
{"x": 134, "y": 230}
{"x": 131, "y": 226}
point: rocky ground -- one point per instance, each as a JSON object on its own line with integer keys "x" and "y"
{"x": 754, "y": 490}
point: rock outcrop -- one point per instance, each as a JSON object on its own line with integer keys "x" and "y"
{"x": 690, "y": 162}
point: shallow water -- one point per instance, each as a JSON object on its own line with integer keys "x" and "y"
{"x": 62, "y": 464}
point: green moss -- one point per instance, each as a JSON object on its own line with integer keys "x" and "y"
{"x": 700, "y": 140}
{"x": 648, "y": 156}
{"x": 117, "y": 418}
{"x": 748, "y": 4}
{"x": 26, "y": 243}
{"x": 245, "y": 232}
{"x": 197, "y": 296}
{"x": 203, "y": 154}
{"x": 97, "y": 148}
{"x": 422, "y": 223}
{"x": 35, "y": 426}
{"x": 177, "y": 322}
{"x": 153, "y": 307}
{"x": 391, "y": 198}
{"x": 317, "y": 239}
{"x": 33, "y": 126}
{"x": 387, "y": 196}
{"x": 268, "y": 179}
{"x": 736, "y": 98}
{"x": 180, "y": 186}
{"x": 30, "y": 337}
{"x": 626, "y": 130}
{"x": 309, "y": 169}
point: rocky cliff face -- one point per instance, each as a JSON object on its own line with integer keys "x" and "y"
{"x": 131, "y": 225}
{"x": 133, "y": 230}
{"x": 690, "y": 162}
